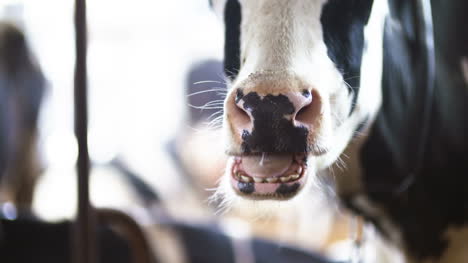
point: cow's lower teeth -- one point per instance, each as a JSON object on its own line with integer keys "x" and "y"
{"x": 257, "y": 180}
{"x": 272, "y": 180}
{"x": 299, "y": 170}
{"x": 285, "y": 179}
{"x": 245, "y": 178}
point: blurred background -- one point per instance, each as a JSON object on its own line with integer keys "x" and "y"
{"x": 139, "y": 56}
{"x": 155, "y": 91}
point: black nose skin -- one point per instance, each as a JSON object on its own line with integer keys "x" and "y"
{"x": 273, "y": 128}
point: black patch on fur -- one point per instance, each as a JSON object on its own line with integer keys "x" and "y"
{"x": 285, "y": 189}
{"x": 232, "y": 21}
{"x": 343, "y": 25}
{"x": 246, "y": 188}
{"x": 272, "y": 132}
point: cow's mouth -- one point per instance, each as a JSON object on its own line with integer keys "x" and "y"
{"x": 267, "y": 176}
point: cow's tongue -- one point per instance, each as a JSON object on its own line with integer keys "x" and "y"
{"x": 266, "y": 165}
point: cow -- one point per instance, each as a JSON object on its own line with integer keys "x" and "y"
{"x": 367, "y": 97}
{"x": 22, "y": 87}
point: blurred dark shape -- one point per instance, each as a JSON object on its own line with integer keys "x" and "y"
{"x": 147, "y": 194}
{"x": 28, "y": 240}
{"x": 206, "y": 243}
{"x": 22, "y": 86}
{"x": 205, "y": 87}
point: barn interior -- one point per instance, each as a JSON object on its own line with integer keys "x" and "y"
{"x": 155, "y": 88}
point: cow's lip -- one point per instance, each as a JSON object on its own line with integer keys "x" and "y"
{"x": 276, "y": 187}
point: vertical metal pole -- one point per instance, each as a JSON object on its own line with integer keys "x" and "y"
{"x": 85, "y": 234}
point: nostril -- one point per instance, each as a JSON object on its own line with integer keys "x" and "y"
{"x": 309, "y": 113}
{"x": 304, "y": 114}
{"x": 310, "y": 110}
{"x": 306, "y": 93}
{"x": 242, "y": 115}
{"x": 238, "y": 118}
{"x": 239, "y": 95}
{"x": 241, "y": 118}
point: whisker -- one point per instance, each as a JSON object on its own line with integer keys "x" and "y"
{"x": 214, "y": 126}
{"x": 209, "y": 90}
{"x": 232, "y": 72}
{"x": 352, "y": 77}
{"x": 213, "y": 115}
{"x": 215, "y": 102}
{"x": 341, "y": 164}
{"x": 219, "y": 118}
{"x": 208, "y": 81}
{"x": 205, "y": 107}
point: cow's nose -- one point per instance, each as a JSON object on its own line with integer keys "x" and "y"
{"x": 273, "y": 122}
{"x": 292, "y": 106}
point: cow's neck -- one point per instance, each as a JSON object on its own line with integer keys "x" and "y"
{"x": 424, "y": 211}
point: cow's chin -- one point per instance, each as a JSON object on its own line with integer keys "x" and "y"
{"x": 286, "y": 177}
{"x": 268, "y": 176}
